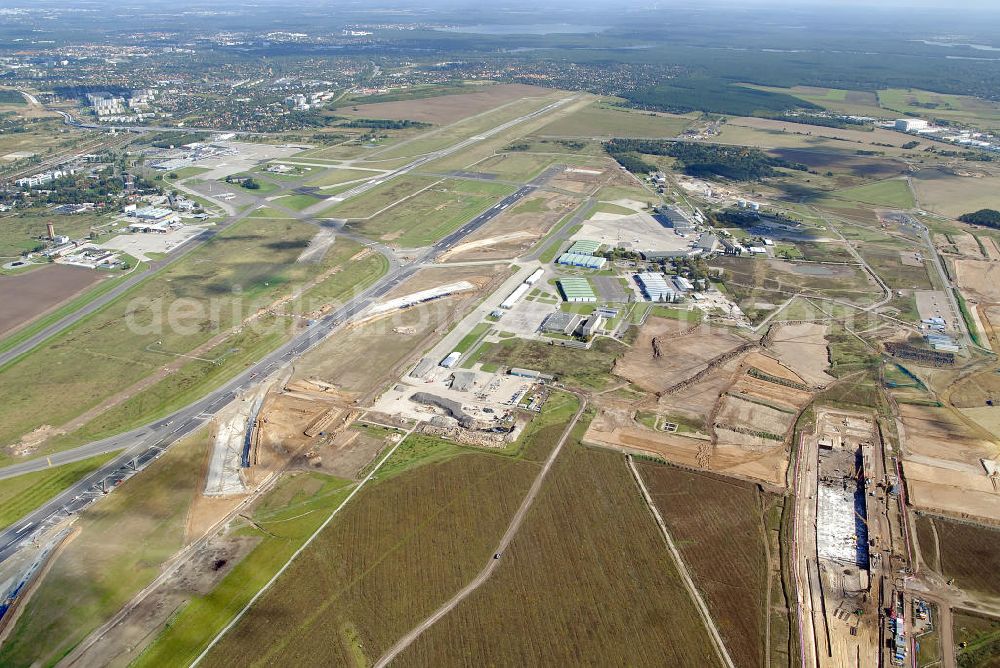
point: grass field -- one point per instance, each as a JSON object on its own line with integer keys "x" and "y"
{"x": 605, "y": 120}
{"x": 332, "y": 177}
{"x": 524, "y": 166}
{"x": 433, "y": 213}
{"x": 188, "y": 172}
{"x": 379, "y": 197}
{"x": 395, "y": 553}
{"x": 451, "y": 134}
{"x": 956, "y": 108}
{"x": 124, "y": 539}
{"x": 590, "y": 369}
{"x": 893, "y": 193}
{"x": 981, "y": 635}
{"x": 884, "y": 260}
{"x": 952, "y": 196}
{"x": 719, "y": 528}
{"x": 21, "y": 495}
{"x": 588, "y": 580}
{"x": 266, "y": 187}
{"x": 286, "y": 517}
{"x": 248, "y": 266}
{"x": 22, "y": 231}
{"x": 965, "y": 552}
{"x": 296, "y": 202}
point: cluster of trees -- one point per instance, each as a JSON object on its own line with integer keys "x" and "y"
{"x": 715, "y": 96}
{"x": 168, "y": 139}
{"x": 384, "y": 124}
{"x": 826, "y": 121}
{"x": 738, "y": 163}
{"x": 106, "y": 188}
{"x": 984, "y": 217}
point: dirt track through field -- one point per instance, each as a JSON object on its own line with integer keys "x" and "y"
{"x": 699, "y": 601}
{"x": 484, "y": 575}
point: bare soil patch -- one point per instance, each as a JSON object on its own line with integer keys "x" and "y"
{"x": 803, "y": 348}
{"x": 980, "y": 278}
{"x": 31, "y": 294}
{"x": 445, "y": 109}
{"x": 667, "y": 352}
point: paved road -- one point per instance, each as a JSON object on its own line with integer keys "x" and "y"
{"x": 134, "y": 279}
{"x": 142, "y": 445}
{"x": 505, "y": 541}
{"x": 150, "y": 440}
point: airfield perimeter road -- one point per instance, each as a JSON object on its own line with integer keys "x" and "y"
{"x": 505, "y": 541}
{"x": 164, "y": 432}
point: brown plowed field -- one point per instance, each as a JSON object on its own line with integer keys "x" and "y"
{"x": 718, "y": 526}
{"x": 29, "y": 295}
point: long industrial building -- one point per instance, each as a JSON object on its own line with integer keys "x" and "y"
{"x": 577, "y": 290}
{"x": 584, "y": 247}
{"x": 655, "y": 288}
{"x": 585, "y": 261}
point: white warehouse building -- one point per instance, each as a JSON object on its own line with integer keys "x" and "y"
{"x": 911, "y": 124}
{"x": 655, "y": 288}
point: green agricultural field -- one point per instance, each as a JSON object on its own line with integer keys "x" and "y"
{"x": 588, "y": 575}
{"x": 605, "y": 120}
{"x": 893, "y": 193}
{"x": 123, "y": 542}
{"x": 394, "y": 554}
{"x": 24, "y": 493}
{"x": 189, "y": 307}
{"x": 861, "y": 103}
{"x": 951, "y": 195}
{"x": 282, "y": 521}
{"x": 432, "y": 213}
{"x": 719, "y": 527}
{"x": 379, "y": 197}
